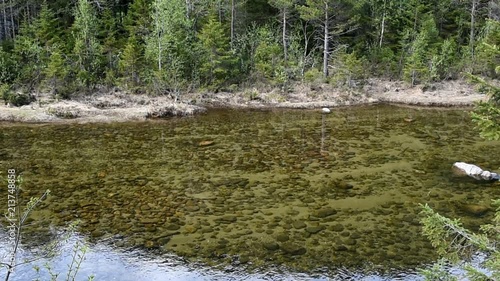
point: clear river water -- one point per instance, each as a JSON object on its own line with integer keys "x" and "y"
{"x": 250, "y": 194}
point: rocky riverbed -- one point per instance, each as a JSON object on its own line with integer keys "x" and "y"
{"x": 266, "y": 188}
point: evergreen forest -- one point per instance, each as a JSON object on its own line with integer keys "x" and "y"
{"x": 174, "y": 46}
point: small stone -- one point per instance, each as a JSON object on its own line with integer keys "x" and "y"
{"x": 476, "y": 210}
{"x": 173, "y": 226}
{"x": 337, "y": 228}
{"x": 340, "y": 248}
{"x": 228, "y": 219}
{"x": 84, "y": 204}
{"x": 293, "y": 249}
{"x": 315, "y": 229}
{"x": 350, "y": 241}
{"x": 244, "y": 259}
{"x": 299, "y": 224}
{"x": 271, "y": 246}
{"x": 205, "y": 143}
{"x": 149, "y": 244}
{"x": 207, "y": 230}
{"x": 192, "y": 208}
{"x": 148, "y": 221}
{"x": 190, "y": 228}
{"x": 325, "y": 212}
{"x": 344, "y": 185}
{"x": 282, "y": 237}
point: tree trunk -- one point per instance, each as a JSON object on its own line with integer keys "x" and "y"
{"x": 28, "y": 11}
{"x": 12, "y": 24}
{"x": 159, "y": 41}
{"x": 326, "y": 43}
{"x": 382, "y": 28}
{"x": 285, "y": 54}
{"x": 6, "y": 31}
{"x": 233, "y": 14}
{"x": 472, "y": 23}
{"x": 304, "y": 55}
{"x": 415, "y": 20}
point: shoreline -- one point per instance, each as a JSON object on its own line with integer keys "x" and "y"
{"x": 117, "y": 106}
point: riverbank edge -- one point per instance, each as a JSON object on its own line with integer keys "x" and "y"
{"x": 119, "y": 106}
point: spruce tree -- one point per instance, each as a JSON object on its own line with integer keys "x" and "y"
{"x": 110, "y": 36}
{"x": 138, "y": 19}
{"x": 87, "y": 49}
{"x": 8, "y": 67}
{"x": 131, "y": 63}
{"x": 218, "y": 60}
{"x": 29, "y": 54}
{"x": 418, "y": 67}
{"x": 269, "y": 60}
{"x": 47, "y": 30}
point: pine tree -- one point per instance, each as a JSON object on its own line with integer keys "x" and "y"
{"x": 47, "y": 30}
{"x": 418, "y": 67}
{"x": 56, "y": 71}
{"x": 110, "y": 31}
{"x": 138, "y": 19}
{"x": 218, "y": 59}
{"x": 8, "y": 67}
{"x": 87, "y": 50}
{"x": 29, "y": 55}
{"x": 269, "y": 61}
{"x": 131, "y": 63}
{"x": 457, "y": 245}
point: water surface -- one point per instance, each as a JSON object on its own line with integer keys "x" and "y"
{"x": 258, "y": 190}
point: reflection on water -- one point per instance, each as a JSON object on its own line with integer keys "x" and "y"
{"x": 105, "y": 263}
{"x": 257, "y": 190}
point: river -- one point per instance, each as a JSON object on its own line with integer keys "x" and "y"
{"x": 250, "y": 195}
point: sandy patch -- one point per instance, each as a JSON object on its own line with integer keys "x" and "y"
{"x": 118, "y": 106}
{"x": 448, "y": 93}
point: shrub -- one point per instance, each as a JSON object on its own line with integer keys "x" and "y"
{"x": 15, "y": 98}
{"x": 313, "y": 75}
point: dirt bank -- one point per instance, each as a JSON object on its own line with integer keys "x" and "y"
{"x": 119, "y": 106}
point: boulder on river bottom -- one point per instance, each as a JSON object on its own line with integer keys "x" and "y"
{"x": 474, "y": 209}
{"x": 473, "y": 171}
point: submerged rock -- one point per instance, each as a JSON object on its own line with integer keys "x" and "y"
{"x": 282, "y": 237}
{"x": 227, "y": 219}
{"x": 337, "y": 228}
{"x": 344, "y": 185}
{"x": 293, "y": 249}
{"x": 205, "y": 143}
{"x": 476, "y": 210}
{"x": 271, "y": 246}
{"x": 325, "y": 212}
{"x": 299, "y": 224}
{"x": 315, "y": 229}
{"x": 173, "y": 226}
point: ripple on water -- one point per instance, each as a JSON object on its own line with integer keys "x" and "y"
{"x": 266, "y": 188}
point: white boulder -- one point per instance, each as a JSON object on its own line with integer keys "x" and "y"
{"x": 473, "y": 171}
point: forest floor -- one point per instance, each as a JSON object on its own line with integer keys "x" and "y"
{"x": 118, "y": 106}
